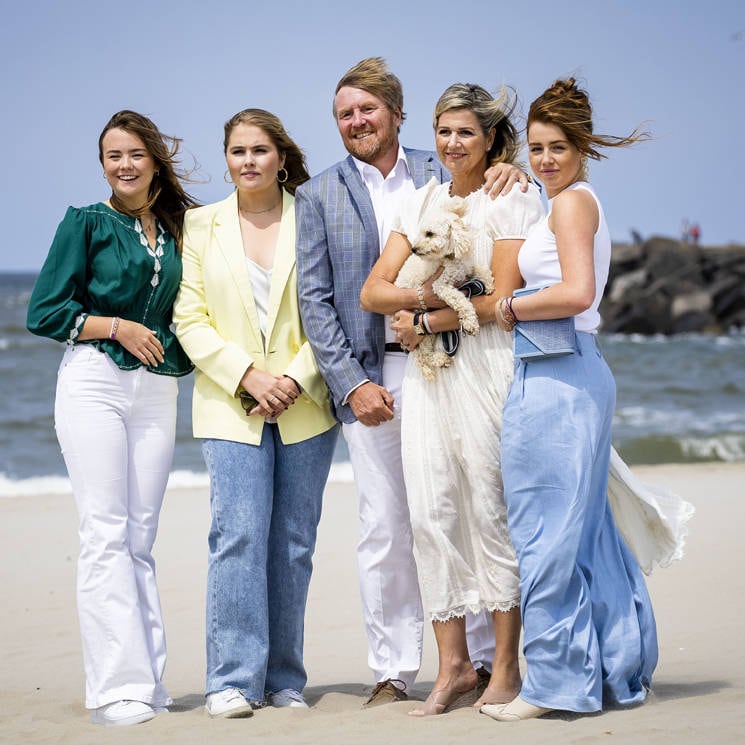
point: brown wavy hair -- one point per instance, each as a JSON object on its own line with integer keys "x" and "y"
{"x": 492, "y": 113}
{"x": 565, "y": 105}
{"x": 297, "y": 170}
{"x": 166, "y": 197}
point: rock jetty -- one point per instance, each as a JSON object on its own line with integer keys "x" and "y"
{"x": 665, "y": 286}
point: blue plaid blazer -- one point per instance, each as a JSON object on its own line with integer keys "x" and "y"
{"x": 337, "y": 245}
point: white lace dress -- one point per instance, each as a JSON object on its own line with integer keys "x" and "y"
{"x": 451, "y": 435}
{"x": 653, "y": 521}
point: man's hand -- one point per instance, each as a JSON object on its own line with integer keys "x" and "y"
{"x": 501, "y": 177}
{"x": 372, "y": 404}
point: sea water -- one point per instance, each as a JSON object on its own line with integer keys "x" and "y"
{"x": 680, "y": 399}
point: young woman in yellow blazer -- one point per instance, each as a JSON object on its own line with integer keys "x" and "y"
{"x": 261, "y": 408}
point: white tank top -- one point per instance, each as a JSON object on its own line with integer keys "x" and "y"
{"x": 539, "y": 260}
{"x": 261, "y": 282}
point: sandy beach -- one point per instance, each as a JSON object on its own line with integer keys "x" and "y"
{"x": 698, "y": 693}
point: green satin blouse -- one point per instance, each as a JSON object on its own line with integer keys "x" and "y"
{"x": 100, "y": 264}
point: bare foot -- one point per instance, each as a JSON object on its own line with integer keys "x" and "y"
{"x": 460, "y": 691}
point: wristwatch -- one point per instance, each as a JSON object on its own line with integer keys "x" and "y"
{"x": 418, "y": 325}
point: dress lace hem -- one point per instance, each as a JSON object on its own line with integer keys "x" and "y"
{"x": 475, "y": 608}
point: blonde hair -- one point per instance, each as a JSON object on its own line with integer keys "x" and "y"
{"x": 491, "y": 113}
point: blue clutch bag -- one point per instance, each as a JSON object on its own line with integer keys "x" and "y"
{"x": 535, "y": 340}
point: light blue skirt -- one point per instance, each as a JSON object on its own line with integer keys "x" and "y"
{"x": 589, "y": 637}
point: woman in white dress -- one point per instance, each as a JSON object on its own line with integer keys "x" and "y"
{"x": 451, "y": 425}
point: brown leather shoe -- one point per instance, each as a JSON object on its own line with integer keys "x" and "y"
{"x": 386, "y": 692}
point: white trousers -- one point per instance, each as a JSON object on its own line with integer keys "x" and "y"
{"x": 389, "y": 585}
{"x": 117, "y": 429}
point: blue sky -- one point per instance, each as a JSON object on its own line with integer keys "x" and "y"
{"x": 190, "y": 65}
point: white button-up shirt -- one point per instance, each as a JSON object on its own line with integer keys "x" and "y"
{"x": 387, "y": 195}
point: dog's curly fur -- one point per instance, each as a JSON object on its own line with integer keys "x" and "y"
{"x": 443, "y": 240}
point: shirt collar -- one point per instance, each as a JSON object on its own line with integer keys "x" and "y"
{"x": 368, "y": 171}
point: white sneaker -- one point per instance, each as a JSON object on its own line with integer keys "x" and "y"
{"x": 121, "y": 713}
{"x": 288, "y": 697}
{"x": 228, "y": 704}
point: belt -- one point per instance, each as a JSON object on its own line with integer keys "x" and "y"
{"x": 395, "y": 347}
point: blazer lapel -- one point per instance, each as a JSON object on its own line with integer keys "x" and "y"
{"x": 230, "y": 243}
{"x": 284, "y": 260}
{"x": 422, "y": 169}
{"x": 361, "y": 198}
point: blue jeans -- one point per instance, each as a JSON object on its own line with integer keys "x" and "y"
{"x": 266, "y": 504}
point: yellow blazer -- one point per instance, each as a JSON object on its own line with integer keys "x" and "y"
{"x": 218, "y": 326}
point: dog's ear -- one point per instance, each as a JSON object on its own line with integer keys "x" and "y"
{"x": 460, "y": 238}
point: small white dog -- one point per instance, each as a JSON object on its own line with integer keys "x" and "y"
{"x": 444, "y": 240}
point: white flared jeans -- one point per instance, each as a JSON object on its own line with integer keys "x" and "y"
{"x": 116, "y": 429}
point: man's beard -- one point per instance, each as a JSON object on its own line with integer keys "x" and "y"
{"x": 369, "y": 149}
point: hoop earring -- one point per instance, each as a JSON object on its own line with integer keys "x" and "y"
{"x": 225, "y": 177}
{"x": 287, "y": 175}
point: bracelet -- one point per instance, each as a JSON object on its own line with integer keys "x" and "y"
{"x": 511, "y": 317}
{"x": 425, "y": 323}
{"x": 420, "y": 295}
{"x": 416, "y": 322}
{"x": 512, "y": 310}
{"x": 505, "y": 313}
{"x": 114, "y": 327}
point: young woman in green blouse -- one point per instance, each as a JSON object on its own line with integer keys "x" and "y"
{"x": 106, "y": 289}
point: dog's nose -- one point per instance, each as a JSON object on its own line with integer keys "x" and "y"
{"x": 415, "y": 250}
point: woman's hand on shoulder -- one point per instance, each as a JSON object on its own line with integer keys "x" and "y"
{"x": 501, "y": 177}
